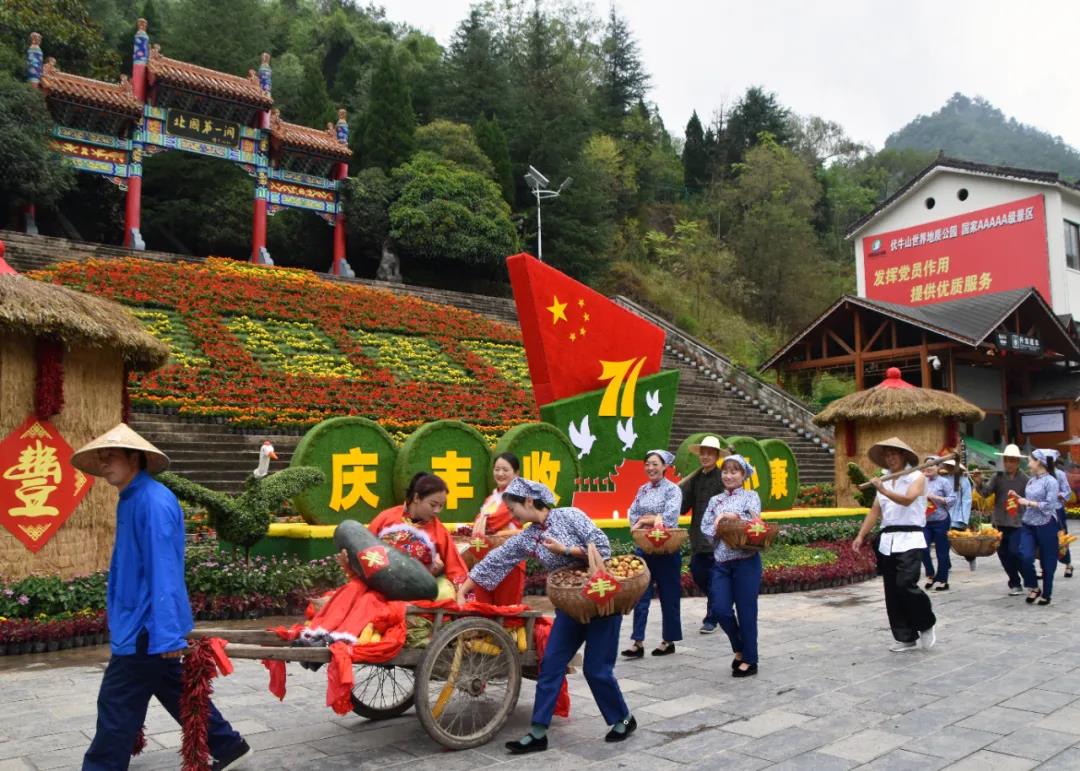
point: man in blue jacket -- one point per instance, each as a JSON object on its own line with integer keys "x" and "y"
{"x": 147, "y": 602}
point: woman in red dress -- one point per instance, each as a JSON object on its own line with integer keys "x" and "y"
{"x": 495, "y": 517}
{"x": 424, "y": 499}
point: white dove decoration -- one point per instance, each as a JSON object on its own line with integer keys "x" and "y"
{"x": 581, "y": 437}
{"x": 626, "y": 433}
{"x": 266, "y": 454}
{"x": 652, "y": 401}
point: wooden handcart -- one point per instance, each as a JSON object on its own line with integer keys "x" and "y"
{"x": 464, "y": 684}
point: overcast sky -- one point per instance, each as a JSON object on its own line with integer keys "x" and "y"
{"x": 871, "y": 66}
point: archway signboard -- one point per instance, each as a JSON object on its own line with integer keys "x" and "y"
{"x": 169, "y": 105}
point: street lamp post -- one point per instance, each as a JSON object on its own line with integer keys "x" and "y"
{"x": 538, "y": 182}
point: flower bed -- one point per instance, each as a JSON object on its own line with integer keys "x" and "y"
{"x": 271, "y": 347}
{"x": 819, "y": 496}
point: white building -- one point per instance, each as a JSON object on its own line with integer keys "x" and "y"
{"x": 1039, "y": 248}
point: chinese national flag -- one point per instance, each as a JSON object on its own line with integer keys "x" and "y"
{"x": 569, "y": 329}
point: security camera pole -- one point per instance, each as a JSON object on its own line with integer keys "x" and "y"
{"x": 538, "y": 182}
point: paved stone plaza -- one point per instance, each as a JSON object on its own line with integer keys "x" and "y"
{"x": 1000, "y": 691}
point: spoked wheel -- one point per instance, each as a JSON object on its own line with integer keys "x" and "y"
{"x": 380, "y": 693}
{"x": 468, "y": 683}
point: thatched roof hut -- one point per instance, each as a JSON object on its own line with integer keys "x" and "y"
{"x": 924, "y": 418}
{"x": 90, "y": 343}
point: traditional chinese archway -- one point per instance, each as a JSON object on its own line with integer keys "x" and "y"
{"x": 168, "y": 105}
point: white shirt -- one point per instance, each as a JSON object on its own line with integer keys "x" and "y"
{"x": 892, "y": 513}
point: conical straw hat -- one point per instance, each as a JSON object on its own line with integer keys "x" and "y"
{"x": 877, "y": 452}
{"x": 120, "y": 436}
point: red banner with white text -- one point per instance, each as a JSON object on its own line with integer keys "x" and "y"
{"x": 989, "y": 250}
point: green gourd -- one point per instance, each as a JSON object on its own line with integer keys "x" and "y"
{"x": 402, "y": 579}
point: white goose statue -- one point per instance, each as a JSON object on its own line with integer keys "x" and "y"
{"x": 266, "y": 454}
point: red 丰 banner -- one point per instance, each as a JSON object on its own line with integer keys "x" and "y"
{"x": 577, "y": 340}
{"x": 989, "y": 250}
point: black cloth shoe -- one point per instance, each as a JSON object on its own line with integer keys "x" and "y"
{"x": 664, "y": 650}
{"x": 752, "y": 670}
{"x": 527, "y": 744}
{"x": 735, "y": 664}
{"x": 231, "y": 758}
{"x": 942, "y": 587}
{"x": 1033, "y": 594}
{"x": 614, "y": 736}
{"x": 929, "y": 582}
{"x": 634, "y": 652}
{"x": 1043, "y": 601}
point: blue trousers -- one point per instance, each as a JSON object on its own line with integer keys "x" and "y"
{"x": 734, "y": 597}
{"x": 125, "y": 693}
{"x": 601, "y": 640}
{"x": 937, "y": 540}
{"x": 1045, "y": 539}
{"x": 1063, "y": 521}
{"x": 1009, "y": 554}
{"x": 666, "y": 571}
{"x": 701, "y": 570}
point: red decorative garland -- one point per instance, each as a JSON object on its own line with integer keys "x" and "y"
{"x": 125, "y": 397}
{"x": 196, "y": 687}
{"x": 49, "y": 384}
{"x": 140, "y": 742}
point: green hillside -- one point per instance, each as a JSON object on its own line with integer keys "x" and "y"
{"x": 975, "y": 130}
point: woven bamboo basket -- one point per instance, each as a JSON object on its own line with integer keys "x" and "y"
{"x": 733, "y": 532}
{"x": 676, "y": 538}
{"x": 566, "y": 590}
{"x": 975, "y": 546}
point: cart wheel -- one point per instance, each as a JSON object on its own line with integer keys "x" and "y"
{"x": 465, "y": 689}
{"x": 380, "y": 693}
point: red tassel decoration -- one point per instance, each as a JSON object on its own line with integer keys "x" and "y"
{"x": 140, "y": 742}
{"x": 196, "y": 687}
{"x": 49, "y": 383}
{"x": 125, "y": 398}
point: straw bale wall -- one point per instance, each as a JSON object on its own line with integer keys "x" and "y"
{"x": 92, "y": 393}
{"x": 924, "y": 435}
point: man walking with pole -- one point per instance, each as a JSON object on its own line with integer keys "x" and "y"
{"x": 697, "y": 489}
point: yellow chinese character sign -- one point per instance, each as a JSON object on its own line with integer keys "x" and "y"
{"x": 356, "y": 471}
{"x": 39, "y": 488}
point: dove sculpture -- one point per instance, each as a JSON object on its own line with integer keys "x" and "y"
{"x": 625, "y": 432}
{"x": 581, "y": 437}
{"x": 652, "y": 401}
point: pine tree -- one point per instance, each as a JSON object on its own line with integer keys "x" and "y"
{"x": 390, "y": 123}
{"x": 313, "y": 106}
{"x": 492, "y": 140}
{"x": 623, "y": 80}
{"x": 475, "y": 73}
{"x": 695, "y": 157}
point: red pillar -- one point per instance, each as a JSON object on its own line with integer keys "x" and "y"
{"x": 133, "y": 210}
{"x": 341, "y": 172}
{"x": 258, "y": 230}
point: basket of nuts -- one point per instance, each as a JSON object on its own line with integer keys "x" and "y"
{"x": 601, "y": 589}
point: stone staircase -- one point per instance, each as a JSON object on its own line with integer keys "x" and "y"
{"x": 714, "y": 395}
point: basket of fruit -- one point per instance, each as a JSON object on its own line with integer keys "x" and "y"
{"x": 751, "y": 535}
{"x": 657, "y": 539}
{"x": 1064, "y": 539}
{"x": 975, "y": 543}
{"x": 601, "y": 589}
